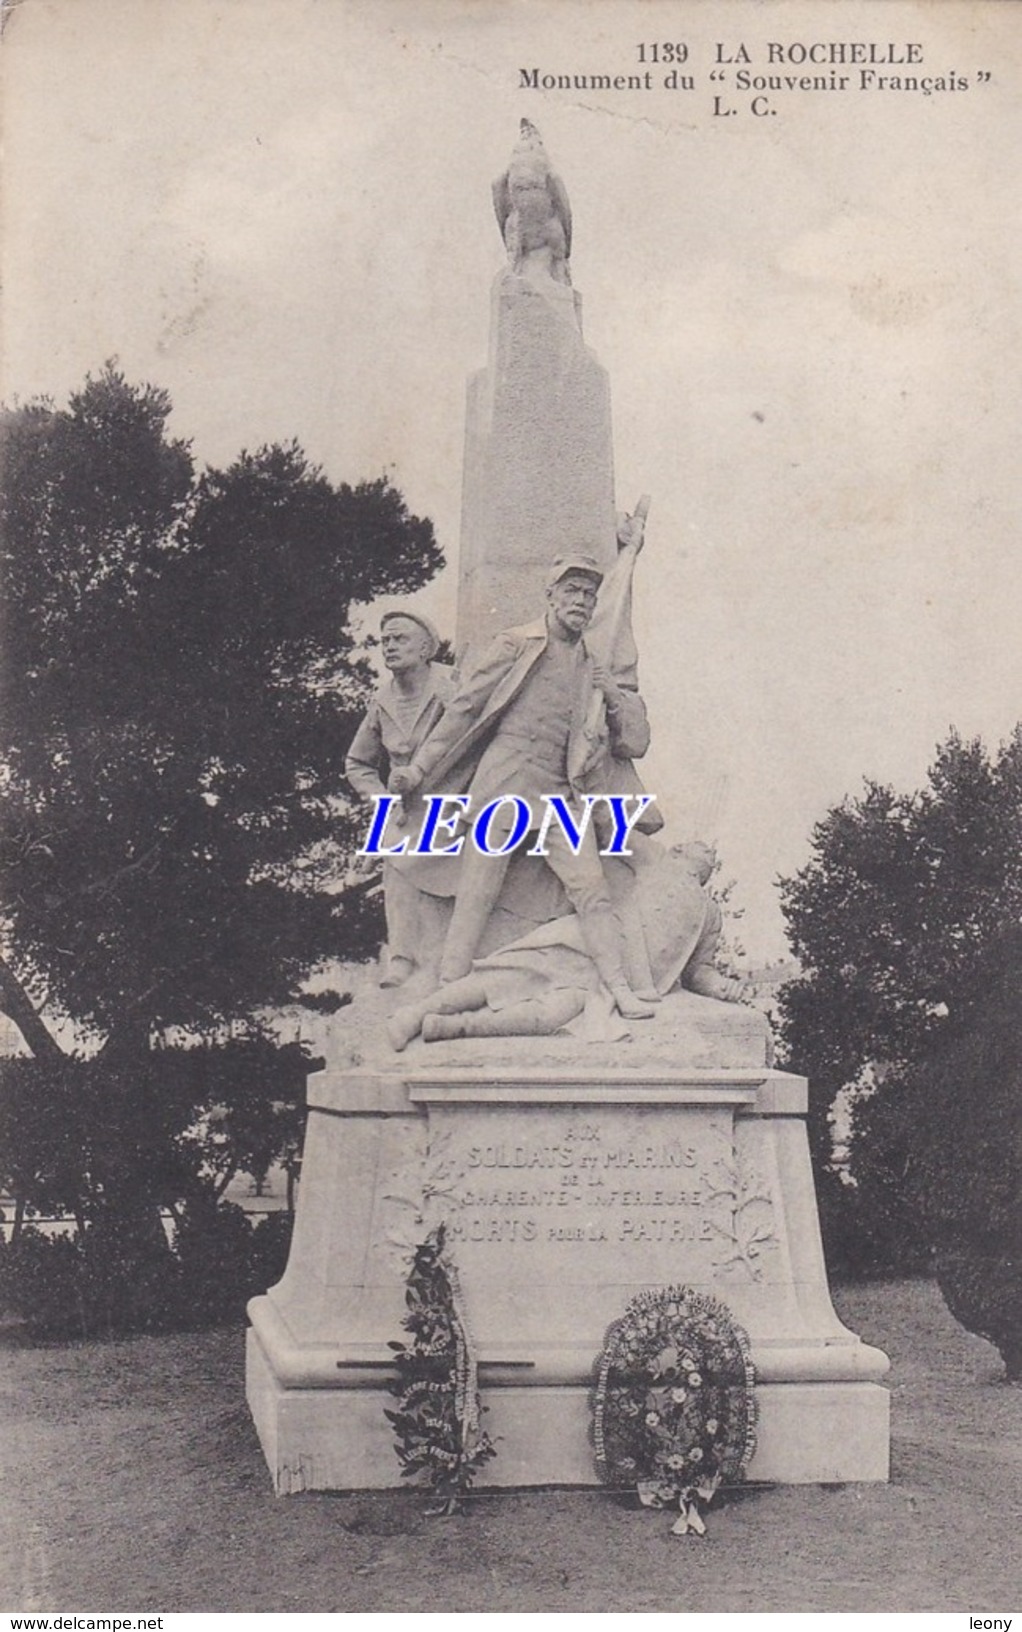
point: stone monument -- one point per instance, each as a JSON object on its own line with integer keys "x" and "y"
{"x": 578, "y": 1151}
{"x": 539, "y": 467}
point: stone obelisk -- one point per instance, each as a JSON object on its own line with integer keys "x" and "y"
{"x": 539, "y": 463}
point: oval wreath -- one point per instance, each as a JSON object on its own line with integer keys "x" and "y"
{"x": 673, "y": 1405}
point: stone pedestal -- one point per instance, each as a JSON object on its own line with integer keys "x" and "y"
{"x": 539, "y": 463}
{"x": 566, "y": 1189}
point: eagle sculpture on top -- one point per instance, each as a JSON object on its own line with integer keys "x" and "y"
{"x": 533, "y": 210}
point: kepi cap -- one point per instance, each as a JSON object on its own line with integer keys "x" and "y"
{"x": 414, "y": 617}
{"x": 579, "y": 561}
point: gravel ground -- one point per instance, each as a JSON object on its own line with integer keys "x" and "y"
{"x": 132, "y": 1482}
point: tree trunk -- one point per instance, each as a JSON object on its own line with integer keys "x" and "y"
{"x": 220, "y": 1184}
{"x": 18, "y": 1006}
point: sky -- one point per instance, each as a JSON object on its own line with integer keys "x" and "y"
{"x": 280, "y": 211}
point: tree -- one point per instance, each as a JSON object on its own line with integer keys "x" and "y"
{"x": 899, "y": 922}
{"x": 180, "y": 685}
{"x": 964, "y": 1172}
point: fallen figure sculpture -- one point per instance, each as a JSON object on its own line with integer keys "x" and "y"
{"x": 545, "y": 982}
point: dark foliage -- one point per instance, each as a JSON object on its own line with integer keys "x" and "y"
{"x": 964, "y": 1172}
{"x": 180, "y": 686}
{"x": 870, "y": 1230}
{"x": 895, "y": 921}
{"x": 100, "y": 1137}
{"x": 984, "y": 1292}
{"x": 104, "y": 1281}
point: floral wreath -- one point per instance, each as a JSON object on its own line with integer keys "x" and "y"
{"x": 437, "y": 1427}
{"x": 673, "y": 1405}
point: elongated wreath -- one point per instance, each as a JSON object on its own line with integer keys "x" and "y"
{"x": 437, "y": 1426}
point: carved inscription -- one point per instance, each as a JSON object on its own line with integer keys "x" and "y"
{"x": 589, "y": 1184}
